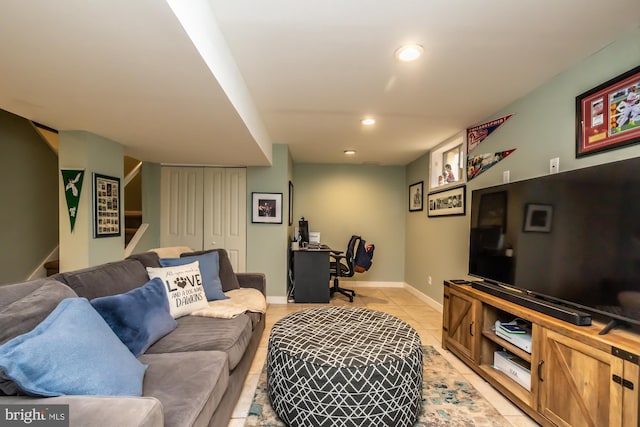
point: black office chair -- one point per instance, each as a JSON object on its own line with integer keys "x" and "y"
{"x": 344, "y": 266}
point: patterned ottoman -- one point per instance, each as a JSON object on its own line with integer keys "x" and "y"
{"x": 344, "y": 366}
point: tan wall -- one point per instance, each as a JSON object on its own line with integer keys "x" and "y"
{"x": 341, "y": 200}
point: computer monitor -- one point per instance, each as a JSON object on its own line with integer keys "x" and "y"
{"x": 303, "y": 228}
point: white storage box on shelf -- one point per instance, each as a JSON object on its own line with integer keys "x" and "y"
{"x": 514, "y": 367}
{"x": 521, "y": 340}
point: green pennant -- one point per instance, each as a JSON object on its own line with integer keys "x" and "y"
{"x": 72, "y": 180}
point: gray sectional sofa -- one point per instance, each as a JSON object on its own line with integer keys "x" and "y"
{"x": 195, "y": 373}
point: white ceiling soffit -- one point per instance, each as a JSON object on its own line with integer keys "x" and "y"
{"x": 128, "y": 71}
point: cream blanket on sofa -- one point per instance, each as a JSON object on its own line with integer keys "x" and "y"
{"x": 240, "y": 300}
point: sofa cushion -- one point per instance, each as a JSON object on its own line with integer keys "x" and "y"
{"x": 139, "y": 317}
{"x": 22, "y": 307}
{"x": 209, "y": 269}
{"x": 73, "y": 351}
{"x": 107, "y": 279}
{"x": 189, "y": 385}
{"x": 254, "y": 317}
{"x": 227, "y": 276}
{"x": 21, "y": 311}
{"x": 183, "y": 283}
{"x": 148, "y": 259}
{"x": 196, "y": 333}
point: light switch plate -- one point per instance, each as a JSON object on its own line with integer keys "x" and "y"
{"x": 554, "y": 165}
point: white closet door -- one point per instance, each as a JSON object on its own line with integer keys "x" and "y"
{"x": 225, "y": 213}
{"x": 214, "y": 215}
{"x": 181, "y": 207}
{"x": 236, "y": 224}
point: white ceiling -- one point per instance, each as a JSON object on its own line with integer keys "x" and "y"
{"x": 218, "y": 81}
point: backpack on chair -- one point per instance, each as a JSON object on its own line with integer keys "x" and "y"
{"x": 364, "y": 257}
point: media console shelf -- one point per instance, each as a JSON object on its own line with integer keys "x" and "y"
{"x": 577, "y": 377}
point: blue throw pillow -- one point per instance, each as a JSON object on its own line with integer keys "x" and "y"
{"x": 139, "y": 317}
{"x": 209, "y": 269}
{"x": 72, "y": 352}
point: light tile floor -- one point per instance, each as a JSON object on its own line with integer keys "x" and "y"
{"x": 398, "y": 302}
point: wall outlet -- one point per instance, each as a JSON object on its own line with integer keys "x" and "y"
{"x": 429, "y": 280}
{"x": 506, "y": 177}
{"x": 554, "y": 165}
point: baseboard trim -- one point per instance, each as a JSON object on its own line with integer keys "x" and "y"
{"x": 276, "y": 300}
{"x": 426, "y": 298}
{"x": 41, "y": 272}
{"x": 365, "y": 284}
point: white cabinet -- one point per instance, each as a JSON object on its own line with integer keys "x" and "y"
{"x": 205, "y": 208}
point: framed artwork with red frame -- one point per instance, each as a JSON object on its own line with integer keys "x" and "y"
{"x": 608, "y": 116}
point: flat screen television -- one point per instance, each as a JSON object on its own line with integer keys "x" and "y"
{"x": 569, "y": 240}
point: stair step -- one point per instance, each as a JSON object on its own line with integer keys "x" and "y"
{"x": 52, "y": 267}
{"x": 132, "y": 219}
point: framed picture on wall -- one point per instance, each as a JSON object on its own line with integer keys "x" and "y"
{"x": 266, "y": 208}
{"x": 416, "y": 197}
{"x": 106, "y": 206}
{"x": 447, "y": 202}
{"x": 608, "y": 116}
{"x": 290, "y": 203}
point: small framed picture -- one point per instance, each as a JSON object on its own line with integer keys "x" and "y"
{"x": 537, "y": 218}
{"x": 266, "y": 208}
{"x": 106, "y": 206}
{"x": 447, "y": 202}
{"x": 416, "y": 192}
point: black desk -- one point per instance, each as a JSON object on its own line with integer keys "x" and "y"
{"x": 310, "y": 275}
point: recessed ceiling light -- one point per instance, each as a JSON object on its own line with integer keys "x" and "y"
{"x": 409, "y": 52}
{"x": 368, "y": 121}
{"x": 349, "y": 152}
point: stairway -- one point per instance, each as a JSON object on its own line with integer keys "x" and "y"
{"x": 52, "y": 267}
{"x": 132, "y": 221}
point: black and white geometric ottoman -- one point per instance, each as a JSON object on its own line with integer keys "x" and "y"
{"x": 344, "y": 366}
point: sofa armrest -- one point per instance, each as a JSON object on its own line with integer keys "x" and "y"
{"x": 98, "y": 411}
{"x": 253, "y": 280}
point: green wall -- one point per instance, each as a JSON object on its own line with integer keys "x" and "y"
{"x": 435, "y": 247}
{"x": 371, "y": 201}
{"x": 94, "y": 154}
{"x": 267, "y": 243}
{"x": 542, "y": 127}
{"x": 29, "y": 194}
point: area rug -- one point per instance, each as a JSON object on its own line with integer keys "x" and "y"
{"x": 447, "y": 399}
